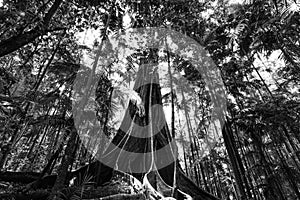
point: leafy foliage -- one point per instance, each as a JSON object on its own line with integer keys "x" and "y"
{"x": 258, "y": 156}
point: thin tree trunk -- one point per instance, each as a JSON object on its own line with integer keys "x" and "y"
{"x": 63, "y": 168}
{"x": 289, "y": 174}
{"x": 231, "y": 148}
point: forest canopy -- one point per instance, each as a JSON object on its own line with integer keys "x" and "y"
{"x": 150, "y": 99}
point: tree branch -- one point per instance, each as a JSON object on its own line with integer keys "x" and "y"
{"x": 15, "y": 42}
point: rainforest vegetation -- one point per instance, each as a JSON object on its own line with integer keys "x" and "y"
{"x": 57, "y": 142}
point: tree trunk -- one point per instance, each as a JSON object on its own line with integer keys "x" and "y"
{"x": 63, "y": 169}
{"x": 233, "y": 156}
{"x": 149, "y": 93}
{"x": 102, "y": 172}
